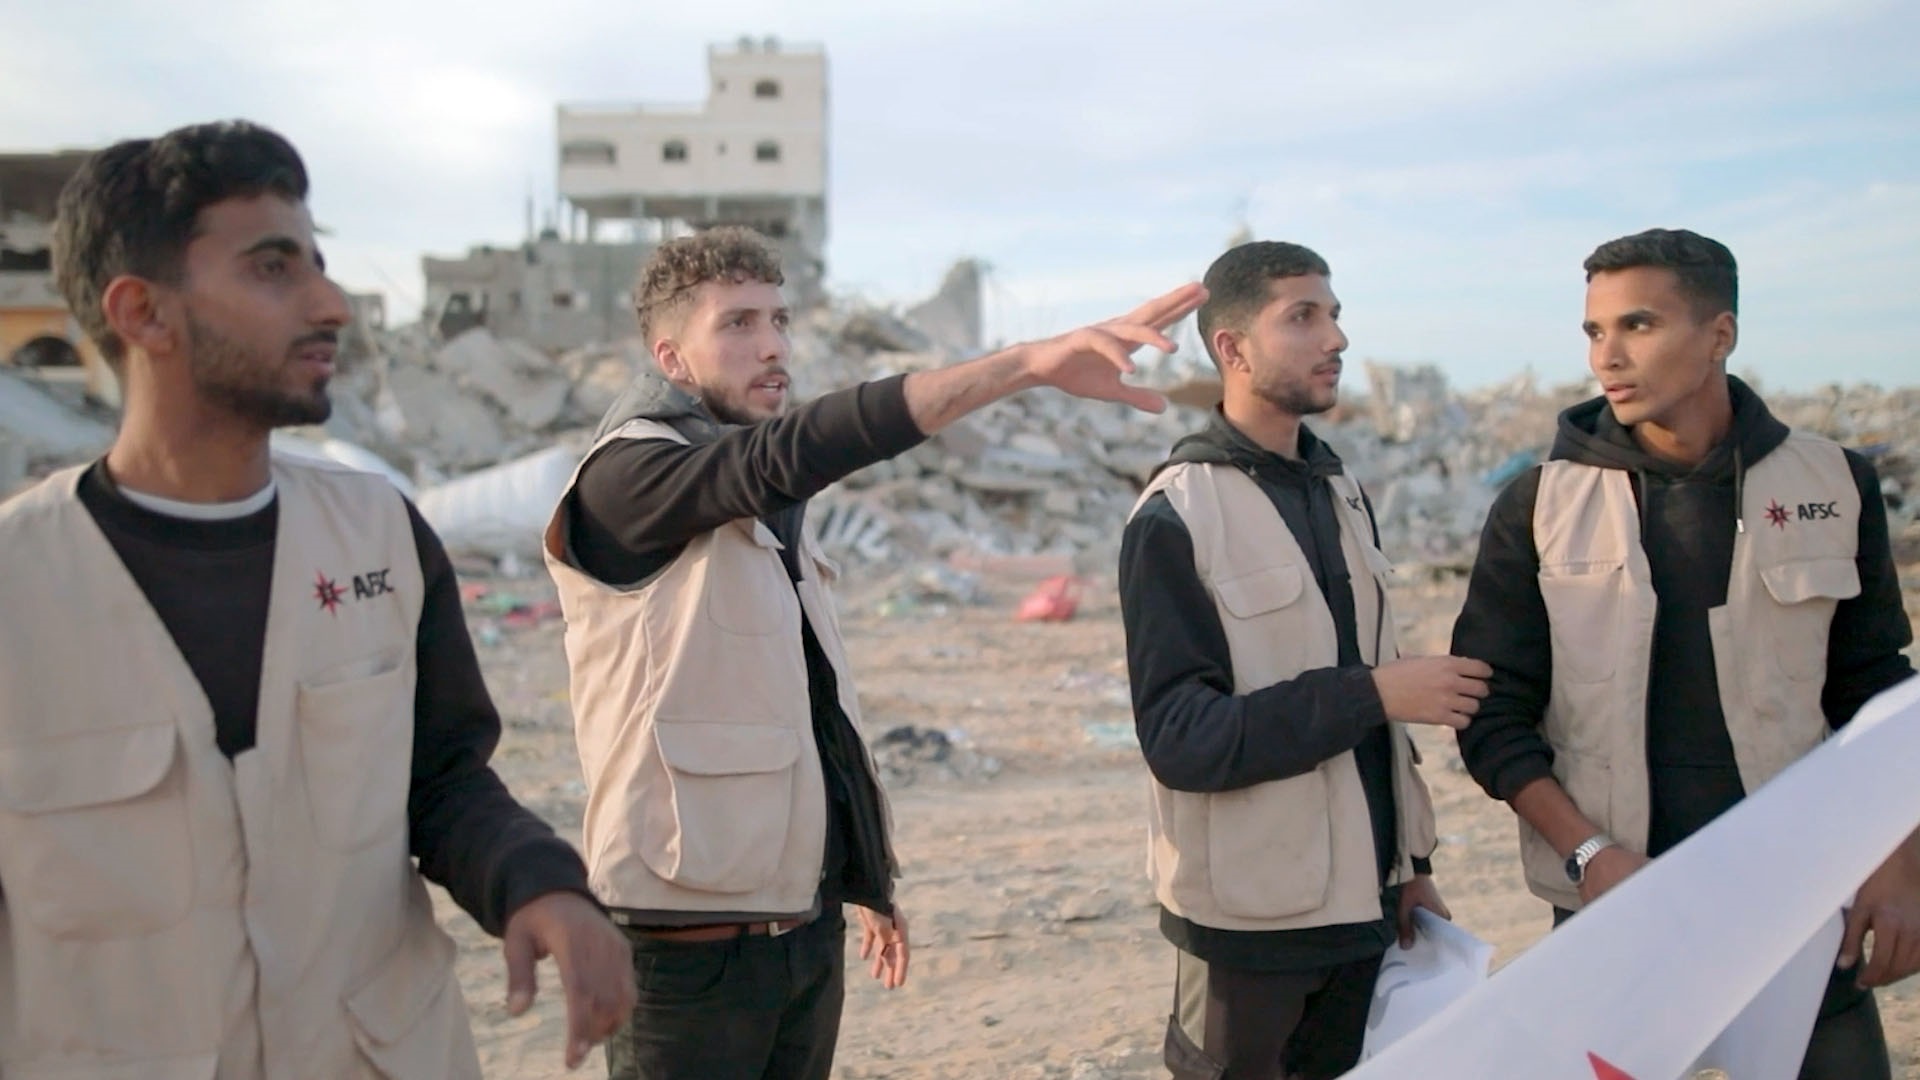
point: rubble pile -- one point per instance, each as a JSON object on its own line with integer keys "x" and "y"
{"x": 1884, "y": 426}
{"x": 472, "y": 402}
{"x": 487, "y": 431}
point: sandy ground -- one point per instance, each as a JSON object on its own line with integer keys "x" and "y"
{"x": 1036, "y": 952}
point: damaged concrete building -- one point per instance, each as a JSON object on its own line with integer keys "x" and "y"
{"x": 754, "y": 153}
{"x": 551, "y": 293}
{"x": 36, "y": 330}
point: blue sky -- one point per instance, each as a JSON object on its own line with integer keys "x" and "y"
{"x": 1454, "y": 163}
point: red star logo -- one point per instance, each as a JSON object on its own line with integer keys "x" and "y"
{"x": 1605, "y": 1070}
{"x": 325, "y": 591}
{"x": 1776, "y": 514}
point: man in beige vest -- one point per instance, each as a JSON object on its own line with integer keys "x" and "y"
{"x": 732, "y": 806}
{"x": 1685, "y": 599}
{"x": 1289, "y": 831}
{"x": 237, "y": 698}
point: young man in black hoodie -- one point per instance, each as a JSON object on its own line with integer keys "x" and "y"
{"x": 1290, "y": 832}
{"x": 1686, "y": 598}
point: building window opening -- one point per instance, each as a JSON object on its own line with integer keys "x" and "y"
{"x": 587, "y": 153}
{"x": 674, "y": 150}
{"x": 767, "y": 151}
{"x": 766, "y": 88}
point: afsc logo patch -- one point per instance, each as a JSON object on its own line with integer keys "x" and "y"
{"x": 364, "y": 586}
{"x": 1778, "y": 516}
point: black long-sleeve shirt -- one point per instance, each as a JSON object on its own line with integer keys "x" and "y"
{"x": 1688, "y": 525}
{"x": 639, "y": 502}
{"x": 210, "y": 582}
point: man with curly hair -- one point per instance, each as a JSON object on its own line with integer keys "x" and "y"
{"x": 732, "y": 806}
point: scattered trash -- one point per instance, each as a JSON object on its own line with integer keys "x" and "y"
{"x": 906, "y": 754}
{"x": 1090, "y": 907}
{"x": 1108, "y": 687}
{"x": 1055, "y": 600}
{"x": 1111, "y": 734}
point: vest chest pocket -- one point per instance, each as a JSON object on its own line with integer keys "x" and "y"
{"x": 1585, "y": 603}
{"x": 1249, "y": 596}
{"x": 1804, "y": 594}
{"x": 356, "y": 740}
{"x": 95, "y": 842}
{"x": 748, "y": 591}
{"x": 716, "y": 819}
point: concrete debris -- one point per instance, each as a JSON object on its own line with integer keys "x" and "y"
{"x": 456, "y": 430}
{"x": 13, "y": 465}
{"x": 296, "y": 443}
{"x": 44, "y": 429}
{"x": 1409, "y": 403}
{"x": 597, "y": 374}
{"x": 951, "y": 316}
{"x": 1036, "y": 486}
{"x": 515, "y": 378}
{"x": 907, "y": 754}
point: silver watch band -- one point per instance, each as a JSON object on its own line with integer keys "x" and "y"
{"x": 1592, "y": 846}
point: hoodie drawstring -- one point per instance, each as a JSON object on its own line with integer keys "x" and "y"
{"x": 1739, "y": 492}
{"x": 1640, "y": 502}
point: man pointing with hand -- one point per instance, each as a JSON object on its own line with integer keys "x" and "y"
{"x": 732, "y": 805}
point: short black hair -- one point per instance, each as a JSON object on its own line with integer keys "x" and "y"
{"x": 1709, "y": 278}
{"x": 133, "y": 208}
{"x": 1237, "y": 283}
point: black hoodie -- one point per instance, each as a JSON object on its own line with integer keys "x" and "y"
{"x": 1688, "y": 522}
{"x": 1197, "y": 735}
{"x": 639, "y": 502}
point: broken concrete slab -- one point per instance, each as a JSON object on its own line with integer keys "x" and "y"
{"x": 430, "y": 412}
{"x": 517, "y": 378}
{"x": 45, "y": 428}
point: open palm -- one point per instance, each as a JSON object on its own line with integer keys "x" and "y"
{"x": 1091, "y": 362}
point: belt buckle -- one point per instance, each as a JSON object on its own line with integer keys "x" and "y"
{"x": 774, "y": 929}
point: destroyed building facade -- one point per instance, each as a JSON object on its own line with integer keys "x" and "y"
{"x": 36, "y": 330}
{"x": 551, "y": 293}
{"x": 753, "y": 153}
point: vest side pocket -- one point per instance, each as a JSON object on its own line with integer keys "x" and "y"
{"x": 1423, "y": 834}
{"x": 1584, "y": 602}
{"x": 714, "y": 815}
{"x": 95, "y": 842}
{"x": 1270, "y": 847}
{"x": 408, "y": 1017}
{"x": 356, "y": 742}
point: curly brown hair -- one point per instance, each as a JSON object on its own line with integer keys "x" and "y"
{"x": 730, "y": 253}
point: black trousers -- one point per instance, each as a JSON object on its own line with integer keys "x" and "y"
{"x": 1234, "y": 1024}
{"x": 749, "y": 1008}
{"x": 1848, "y": 1042}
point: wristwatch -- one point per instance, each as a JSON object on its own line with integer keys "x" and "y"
{"x": 1582, "y": 855}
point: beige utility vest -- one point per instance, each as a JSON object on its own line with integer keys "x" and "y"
{"x": 1793, "y": 561}
{"x": 168, "y": 915}
{"x": 1295, "y": 853}
{"x": 695, "y": 729}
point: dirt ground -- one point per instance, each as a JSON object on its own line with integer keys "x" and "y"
{"x": 1036, "y": 953}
